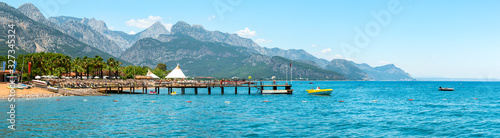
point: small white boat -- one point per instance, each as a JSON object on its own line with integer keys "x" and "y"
{"x": 52, "y": 89}
{"x": 319, "y": 91}
{"x": 39, "y": 83}
{"x": 276, "y": 91}
{"x": 446, "y": 89}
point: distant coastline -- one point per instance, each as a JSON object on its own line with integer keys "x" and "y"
{"x": 457, "y": 79}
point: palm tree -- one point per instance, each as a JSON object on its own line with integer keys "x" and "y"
{"x": 58, "y": 62}
{"x": 85, "y": 63}
{"x": 67, "y": 65}
{"x": 40, "y": 58}
{"x": 110, "y": 62}
{"x": 117, "y": 67}
{"x": 98, "y": 65}
{"x": 77, "y": 66}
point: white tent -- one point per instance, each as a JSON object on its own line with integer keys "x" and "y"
{"x": 176, "y": 73}
{"x": 152, "y": 75}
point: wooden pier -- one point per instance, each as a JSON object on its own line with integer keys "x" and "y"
{"x": 209, "y": 87}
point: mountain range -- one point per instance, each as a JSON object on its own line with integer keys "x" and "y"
{"x": 33, "y": 36}
{"x": 200, "y": 52}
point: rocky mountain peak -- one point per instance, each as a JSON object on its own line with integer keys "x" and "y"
{"x": 32, "y": 12}
{"x": 348, "y": 69}
{"x": 182, "y": 24}
{"x": 157, "y": 23}
{"x": 154, "y": 31}
{"x": 97, "y": 25}
{"x": 389, "y": 67}
{"x": 181, "y": 27}
{"x": 6, "y": 7}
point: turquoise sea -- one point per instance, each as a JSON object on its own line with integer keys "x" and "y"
{"x": 431, "y": 113}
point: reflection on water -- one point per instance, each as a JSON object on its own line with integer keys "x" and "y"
{"x": 368, "y": 109}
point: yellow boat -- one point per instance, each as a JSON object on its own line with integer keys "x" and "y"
{"x": 173, "y": 93}
{"x": 319, "y": 91}
{"x": 18, "y": 87}
{"x": 8, "y": 87}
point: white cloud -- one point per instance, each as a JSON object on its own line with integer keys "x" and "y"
{"x": 131, "y": 32}
{"x": 211, "y": 17}
{"x": 338, "y": 56}
{"x": 263, "y": 41}
{"x": 313, "y": 45}
{"x": 143, "y": 23}
{"x": 325, "y": 51}
{"x": 246, "y": 33}
{"x": 168, "y": 26}
{"x": 384, "y": 62}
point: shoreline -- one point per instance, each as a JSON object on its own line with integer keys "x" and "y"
{"x": 34, "y": 92}
{"x": 37, "y": 92}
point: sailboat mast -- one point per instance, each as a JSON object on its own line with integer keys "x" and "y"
{"x": 286, "y": 74}
{"x": 291, "y": 74}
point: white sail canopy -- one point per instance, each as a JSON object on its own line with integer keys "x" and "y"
{"x": 176, "y": 73}
{"x": 152, "y": 75}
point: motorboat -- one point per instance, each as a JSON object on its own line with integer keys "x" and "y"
{"x": 52, "y": 89}
{"x": 446, "y": 89}
{"x": 152, "y": 92}
{"x": 40, "y": 83}
{"x": 173, "y": 93}
{"x": 319, "y": 91}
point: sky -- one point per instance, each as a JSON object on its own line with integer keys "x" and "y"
{"x": 426, "y": 38}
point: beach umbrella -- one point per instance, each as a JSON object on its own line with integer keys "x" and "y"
{"x": 38, "y": 77}
{"x": 96, "y": 77}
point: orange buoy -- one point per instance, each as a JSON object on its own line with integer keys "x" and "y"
{"x": 410, "y": 99}
{"x": 475, "y": 98}
{"x": 188, "y": 101}
{"x": 341, "y": 101}
{"x": 266, "y": 101}
{"x": 58, "y": 99}
{"x": 115, "y": 101}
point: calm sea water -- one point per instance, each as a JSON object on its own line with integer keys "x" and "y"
{"x": 431, "y": 113}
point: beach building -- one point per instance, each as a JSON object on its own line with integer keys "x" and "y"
{"x": 152, "y": 75}
{"x": 5, "y": 75}
{"x": 176, "y": 74}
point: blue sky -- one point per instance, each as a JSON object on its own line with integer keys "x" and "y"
{"x": 427, "y": 38}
